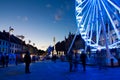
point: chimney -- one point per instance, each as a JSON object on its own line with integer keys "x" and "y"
{"x": 4, "y": 31}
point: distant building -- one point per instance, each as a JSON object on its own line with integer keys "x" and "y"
{"x": 10, "y": 43}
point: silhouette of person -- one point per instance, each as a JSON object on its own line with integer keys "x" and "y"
{"x": 70, "y": 60}
{"x": 16, "y": 61}
{"x": 83, "y": 60}
{"x": 75, "y": 61}
{"x": 54, "y": 57}
{"x": 27, "y": 60}
{"x": 101, "y": 59}
{"x": 6, "y": 60}
{"x": 3, "y": 60}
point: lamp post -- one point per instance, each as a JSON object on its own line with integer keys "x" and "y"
{"x": 54, "y": 40}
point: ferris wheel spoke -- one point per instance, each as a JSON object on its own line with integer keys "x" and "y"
{"x": 80, "y": 3}
{"x": 108, "y": 14}
{"x": 79, "y": 10}
{"x": 85, "y": 17}
{"x": 115, "y": 18}
{"x": 98, "y": 22}
{"x": 97, "y": 28}
{"x": 113, "y": 11}
{"x": 114, "y": 5}
{"x": 92, "y": 23}
{"x": 81, "y": 26}
{"x": 114, "y": 44}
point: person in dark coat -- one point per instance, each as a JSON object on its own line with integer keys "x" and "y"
{"x": 70, "y": 60}
{"x": 54, "y": 57}
{"x": 83, "y": 60}
{"x": 16, "y": 61}
{"x": 27, "y": 60}
{"x": 3, "y": 60}
{"x": 75, "y": 61}
{"x": 101, "y": 59}
{"x": 6, "y": 60}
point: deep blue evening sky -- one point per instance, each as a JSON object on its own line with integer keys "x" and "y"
{"x": 38, "y": 20}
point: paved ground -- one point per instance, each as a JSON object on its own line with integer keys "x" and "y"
{"x": 48, "y": 70}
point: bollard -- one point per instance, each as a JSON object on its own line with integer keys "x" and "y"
{"x": 112, "y": 63}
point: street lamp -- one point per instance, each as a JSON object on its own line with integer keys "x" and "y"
{"x": 54, "y": 40}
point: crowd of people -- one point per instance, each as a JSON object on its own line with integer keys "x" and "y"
{"x": 4, "y": 60}
{"x": 74, "y": 58}
{"x": 101, "y": 58}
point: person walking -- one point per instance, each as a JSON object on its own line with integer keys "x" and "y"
{"x": 3, "y": 60}
{"x": 101, "y": 59}
{"x": 70, "y": 60}
{"x": 54, "y": 57}
{"x": 16, "y": 61}
{"x": 83, "y": 60}
{"x": 6, "y": 60}
{"x": 27, "y": 60}
{"x": 75, "y": 61}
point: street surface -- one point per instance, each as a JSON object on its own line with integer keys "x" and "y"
{"x": 48, "y": 70}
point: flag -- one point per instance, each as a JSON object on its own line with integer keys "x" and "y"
{"x": 33, "y": 44}
{"x": 11, "y": 29}
{"x": 29, "y": 41}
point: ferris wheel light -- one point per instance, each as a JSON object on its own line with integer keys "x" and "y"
{"x": 79, "y": 17}
{"x": 78, "y": 9}
{"x": 83, "y": 36}
{"x": 92, "y": 15}
{"x": 99, "y": 48}
{"x": 79, "y": 1}
{"x": 89, "y": 40}
{"x": 82, "y": 26}
{"x": 83, "y": 32}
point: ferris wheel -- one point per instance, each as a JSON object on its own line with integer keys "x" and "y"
{"x": 98, "y": 22}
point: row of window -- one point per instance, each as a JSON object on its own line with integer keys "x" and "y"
{"x": 5, "y": 50}
{"x": 4, "y": 46}
{"x": 4, "y": 43}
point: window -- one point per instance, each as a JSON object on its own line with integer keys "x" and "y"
{"x": 6, "y": 43}
{"x": 2, "y": 49}
{"x": 3, "y": 43}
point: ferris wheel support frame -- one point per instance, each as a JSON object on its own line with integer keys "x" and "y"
{"x": 109, "y": 56}
{"x": 72, "y": 42}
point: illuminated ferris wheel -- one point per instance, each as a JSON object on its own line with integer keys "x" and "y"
{"x": 98, "y": 22}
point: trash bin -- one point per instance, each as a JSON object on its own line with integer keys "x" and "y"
{"x": 112, "y": 63}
